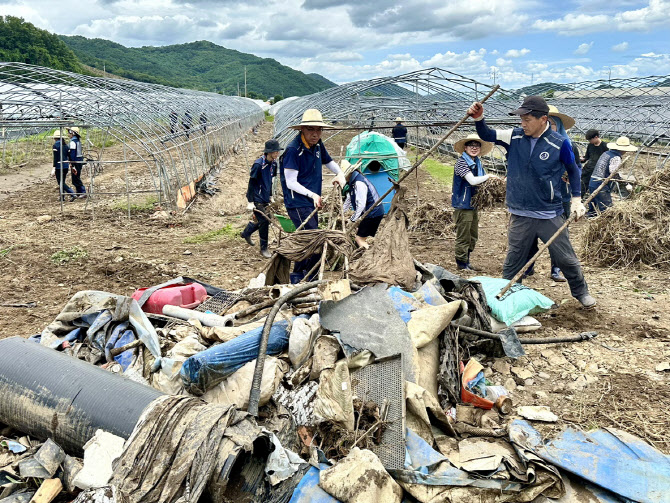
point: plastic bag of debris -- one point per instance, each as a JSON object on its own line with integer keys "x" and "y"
{"x": 518, "y": 302}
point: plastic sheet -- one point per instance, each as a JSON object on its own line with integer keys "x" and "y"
{"x": 517, "y": 303}
{"x": 203, "y": 371}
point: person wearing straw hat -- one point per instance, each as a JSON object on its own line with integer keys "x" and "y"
{"x": 259, "y": 194}
{"x": 76, "y": 161}
{"x": 608, "y": 163}
{"x": 301, "y": 177}
{"x": 468, "y": 174}
{"x": 537, "y": 157}
{"x": 399, "y": 133}
{"x": 60, "y": 165}
{"x": 361, "y": 195}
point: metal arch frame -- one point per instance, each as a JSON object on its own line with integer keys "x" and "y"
{"x": 138, "y": 115}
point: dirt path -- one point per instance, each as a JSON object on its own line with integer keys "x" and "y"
{"x": 609, "y": 382}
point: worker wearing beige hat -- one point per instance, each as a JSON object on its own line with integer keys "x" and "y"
{"x": 468, "y": 174}
{"x": 608, "y": 163}
{"x": 60, "y": 165}
{"x": 399, "y": 133}
{"x": 301, "y": 177}
{"x": 76, "y": 161}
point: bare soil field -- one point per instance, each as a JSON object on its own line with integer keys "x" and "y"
{"x": 610, "y": 381}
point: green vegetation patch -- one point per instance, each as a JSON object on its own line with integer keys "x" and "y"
{"x": 139, "y": 207}
{"x": 68, "y": 255}
{"x": 227, "y": 231}
{"x": 443, "y": 173}
{"x": 268, "y": 117}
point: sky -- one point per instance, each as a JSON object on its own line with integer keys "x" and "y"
{"x": 510, "y": 42}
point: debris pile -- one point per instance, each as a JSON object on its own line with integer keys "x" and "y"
{"x": 437, "y": 221}
{"x": 634, "y": 231}
{"x": 490, "y": 194}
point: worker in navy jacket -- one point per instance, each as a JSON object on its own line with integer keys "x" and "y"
{"x": 60, "y": 165}
{"x": 361, "y": 195}
{"x": 76, "y": 158}
{"x": 259, "y": 195}
{"x": 399, "y": 133}
{"x": 537, "y": 157}
{"x": 301, "y": 178}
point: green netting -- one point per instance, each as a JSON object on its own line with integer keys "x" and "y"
{"x": 371, "y": 146}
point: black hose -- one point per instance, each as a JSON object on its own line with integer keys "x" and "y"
{"x": 584, "y": 336}
{"x": 255, "y": 393}
{"x": 48, "y": 394}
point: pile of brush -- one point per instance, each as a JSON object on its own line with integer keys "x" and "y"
{"x": 490, "y": 194}
{"x": 635, "y": 231}
{"x": 432, "y": 219}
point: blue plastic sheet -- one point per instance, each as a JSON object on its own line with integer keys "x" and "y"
{"x": 610, "y": 458}
{"x": 403, "y": 302}
{"x": 308, "y": 490}
{"x": 517, "y": 302}
{"x": 206, "y": 369}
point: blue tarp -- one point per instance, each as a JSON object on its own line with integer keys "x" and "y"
{"x": 308, "y": 490}
{"x": 609, "y": 458}
{"x": 206, "y": 369}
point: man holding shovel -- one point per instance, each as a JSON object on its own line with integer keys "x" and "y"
{"x": 537, "y": 157}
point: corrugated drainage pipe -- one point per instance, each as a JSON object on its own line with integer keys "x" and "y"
{"x": 48, "y": 394}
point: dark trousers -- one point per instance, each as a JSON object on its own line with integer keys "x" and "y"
{"x": 524, "y": 231}
{"x": 61, "y": 175}
{"x": 261, "y": 223}
{"x": 298, "y": 216}
{"x": 76, "y": 179}
{"x": 535, "y": 247}
{"x": 603, "y": 199}
{"x": 467, "y": 233}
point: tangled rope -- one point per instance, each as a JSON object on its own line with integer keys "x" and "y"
{"x": 303, "y": 244}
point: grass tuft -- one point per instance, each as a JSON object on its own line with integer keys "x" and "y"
{"x": 68, "y": 255}
{"x": 227, "y": 231}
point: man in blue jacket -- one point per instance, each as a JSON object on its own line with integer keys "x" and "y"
{"x": 301, "y": 178}
{"x": 60, "y": 165}
{"x": 537, "y": 157}
{"x": 76, "y": 161}
{"x": 259, "y": 193}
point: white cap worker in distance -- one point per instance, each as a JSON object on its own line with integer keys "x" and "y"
{"x": 301, "y": 178}
{"x": 537, "y": 157}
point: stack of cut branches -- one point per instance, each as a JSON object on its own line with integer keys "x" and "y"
{"x": 432, "y": 219}
{"x": 490, "y": 194}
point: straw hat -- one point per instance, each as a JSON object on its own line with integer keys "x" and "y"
{"x": 56, "y": 134}
{"x": 622, "y": 144}
{"x": 459, "y": 146}
{"x": 75, "y": 130}
{"x": 312, "y": 117}
{"x": 567, "y": 121}
{"x": 398, "y": 119}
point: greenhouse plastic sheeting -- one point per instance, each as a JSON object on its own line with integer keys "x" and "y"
{"x": 205, "y": 370}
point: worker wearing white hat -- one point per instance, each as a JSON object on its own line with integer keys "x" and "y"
{"x": 608, "y": 163}
{"x": 399, "y": 133}
{"x": 60, "y": 165}
{"x": 301, "y": 178}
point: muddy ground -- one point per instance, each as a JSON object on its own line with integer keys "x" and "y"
{"x": 609, "y": 382}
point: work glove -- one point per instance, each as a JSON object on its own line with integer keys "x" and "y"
{"x": 251, "y": 206}
{"x": 339, "y": 179}
{"x": 476, "y": 110}
{"x": 317, "y": 199}
{"x": 53, "y": 171}
{"x": 577, "y": 207}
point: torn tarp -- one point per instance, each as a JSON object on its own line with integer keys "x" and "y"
{"x": 609, "y": 458}
{"x": 369, "y": 320}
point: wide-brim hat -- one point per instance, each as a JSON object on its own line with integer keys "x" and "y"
{"x": 459, "y": 146}
{"x": 312, "y": 117}
{"x": 74, "y": 129}
{"x": 398, "y": 119}
{"x": 272, "y": 146}
{"x": 622, "y": 143}
{"x": 567, "y": 121}
{"x": 56, "y": 134}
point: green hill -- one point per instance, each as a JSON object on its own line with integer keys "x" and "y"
{"x": 197, "y": 65}
{"x": 25, "y": 43}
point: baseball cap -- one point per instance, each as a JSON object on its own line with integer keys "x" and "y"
{"x": 532, "y": 104}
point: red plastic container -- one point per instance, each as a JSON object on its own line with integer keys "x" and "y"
{"x": 188, "y": 296}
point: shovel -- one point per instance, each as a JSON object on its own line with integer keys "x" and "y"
{"x": 507, "y": 337}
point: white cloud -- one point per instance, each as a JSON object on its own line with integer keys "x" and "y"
{"x": 583, "y": 48}
{"x": 516, "y": 53}
{"x": 622, "y": 47}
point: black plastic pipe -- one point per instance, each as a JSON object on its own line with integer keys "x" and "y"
{"x": 584, "y": 336}
{"x": 47, "y": 394}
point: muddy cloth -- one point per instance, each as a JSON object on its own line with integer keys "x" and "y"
{"x": 369, "y": 320}
{"x": 388, "y": 260}
{"x": 178, "y": 447}
{"x": 303, "y": 244}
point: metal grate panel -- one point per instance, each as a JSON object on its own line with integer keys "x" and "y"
{"x": 219, "y": 302}
{"x": 384, "y": 380}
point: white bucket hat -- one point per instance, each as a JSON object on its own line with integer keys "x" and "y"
{"x": 567, "y": 121}
{"x": 459, "y": 146}
{"x": 312, "y": 117}
{"x": 398, "y": 119}
{"x": 622, "y": 144}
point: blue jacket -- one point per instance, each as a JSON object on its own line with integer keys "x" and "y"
{"x": 308, "y": 162}
{"x": 260, "y": 180}
{"x": 61, "y": 155}
{"x": 461, "y": 191}
{"x": 534, "y": 179}
{"x": 370, "y": 199}
{"x": 75, "y": 152}
{"x": 602, "y": 167}
{"x": 399, "y": 133}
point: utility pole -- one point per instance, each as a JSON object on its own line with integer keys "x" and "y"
{"x": 238, "y": 89}
{"x": 245, "y": 81}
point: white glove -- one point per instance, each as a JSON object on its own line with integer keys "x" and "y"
{"x": 577, "y": 207}
{"x": 272, "y": 199}
{"x": 316, "y": 198}
{"x": 53, "y": 171}
{"x": 251, "y": 206}
{"x": 339, "y": 179}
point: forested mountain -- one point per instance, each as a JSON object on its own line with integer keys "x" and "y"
{"x": 197, "y": 65}
{"x": 25, "y": 43}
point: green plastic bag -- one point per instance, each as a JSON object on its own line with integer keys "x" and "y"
{"x": 518, "y": 301}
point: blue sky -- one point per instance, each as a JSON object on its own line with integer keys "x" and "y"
{"x": 521, "y": 41}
